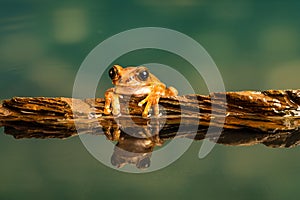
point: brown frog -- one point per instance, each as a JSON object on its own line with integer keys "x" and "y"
{"x": 135, "y": 81}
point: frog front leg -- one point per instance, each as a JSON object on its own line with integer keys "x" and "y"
{"x": 152, "y": 100}
{"x": 112, "y": 103}
{"x": 153, "y": 97}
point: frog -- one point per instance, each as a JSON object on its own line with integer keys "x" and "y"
{"x": 138, "y": 81}
{"x": 132, "y": 150}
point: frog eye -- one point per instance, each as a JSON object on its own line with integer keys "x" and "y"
{"x": 144, "y": 163}
{"x": 113, "y": 73}
{"x": 143, "y": 75}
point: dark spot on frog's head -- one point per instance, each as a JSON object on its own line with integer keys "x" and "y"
{"x": 143, "y": 74}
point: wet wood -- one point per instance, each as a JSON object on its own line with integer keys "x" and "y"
{"x": 269, "y": 117}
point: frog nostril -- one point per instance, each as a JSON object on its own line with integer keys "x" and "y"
{"x": 143, "y": 75}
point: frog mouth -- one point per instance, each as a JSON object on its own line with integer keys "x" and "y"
{"x": 132, "y": 90}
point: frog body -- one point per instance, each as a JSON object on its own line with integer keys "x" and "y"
{"x": 135, "y": 81}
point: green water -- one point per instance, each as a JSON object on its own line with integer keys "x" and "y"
{"x": 255, "y": 44}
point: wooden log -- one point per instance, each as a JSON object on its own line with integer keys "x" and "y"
{"x": 270, "y": 117}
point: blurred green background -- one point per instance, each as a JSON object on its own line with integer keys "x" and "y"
{"x": 255, "y": 44}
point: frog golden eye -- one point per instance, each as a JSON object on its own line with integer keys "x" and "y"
{"x": 113, "y": 73}
{"x": 143, "y": 75}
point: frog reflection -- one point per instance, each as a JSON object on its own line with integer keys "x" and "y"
{"x": 132, "y": 150}
{"x": 135, "y": 142}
